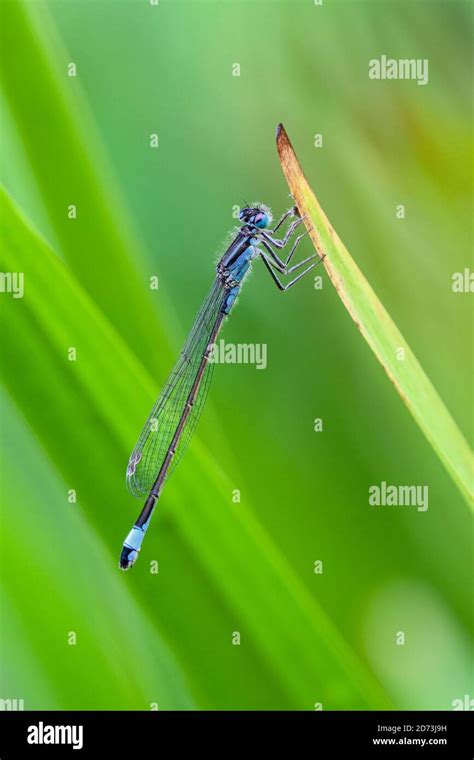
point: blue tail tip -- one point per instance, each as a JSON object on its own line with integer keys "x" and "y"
{"x": 128, "y": 557}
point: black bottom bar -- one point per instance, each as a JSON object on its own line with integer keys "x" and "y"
{"x": 305, "y": 734}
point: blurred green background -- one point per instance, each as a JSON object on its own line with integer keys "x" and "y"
{"x": 146, "y": 639}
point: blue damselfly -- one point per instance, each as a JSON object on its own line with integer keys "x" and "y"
{"x": 173, "y": 419}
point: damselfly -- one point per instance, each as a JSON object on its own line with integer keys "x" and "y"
{"x": 173, "y": 419}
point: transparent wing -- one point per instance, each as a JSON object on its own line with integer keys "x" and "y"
{"x": 154, "y": 441}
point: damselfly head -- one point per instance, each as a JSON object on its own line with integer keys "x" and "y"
{"x": 257, "y": 215}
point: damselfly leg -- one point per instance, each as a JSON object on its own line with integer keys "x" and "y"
{"x": 284, "y": 241}
{"x": 274, "y": 262}
{"x": 293, "y": 211}
{"x": 268, "y": 263}
{"x": 282, "y": 269}
{"x": 282, "y": 264}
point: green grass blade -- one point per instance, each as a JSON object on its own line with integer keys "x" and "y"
{"x": 69, "y": 166}
{"x": 286, "y": 634}
{"x": 85, "y": 593}
{"x": 378, "y": 329}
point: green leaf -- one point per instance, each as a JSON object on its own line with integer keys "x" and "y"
{"x": 378, "y": 329}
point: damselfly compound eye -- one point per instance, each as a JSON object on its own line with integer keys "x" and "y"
{"x": 261, "y": 220}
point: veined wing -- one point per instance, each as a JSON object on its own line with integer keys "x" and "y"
{"x": 154, "y": 441}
